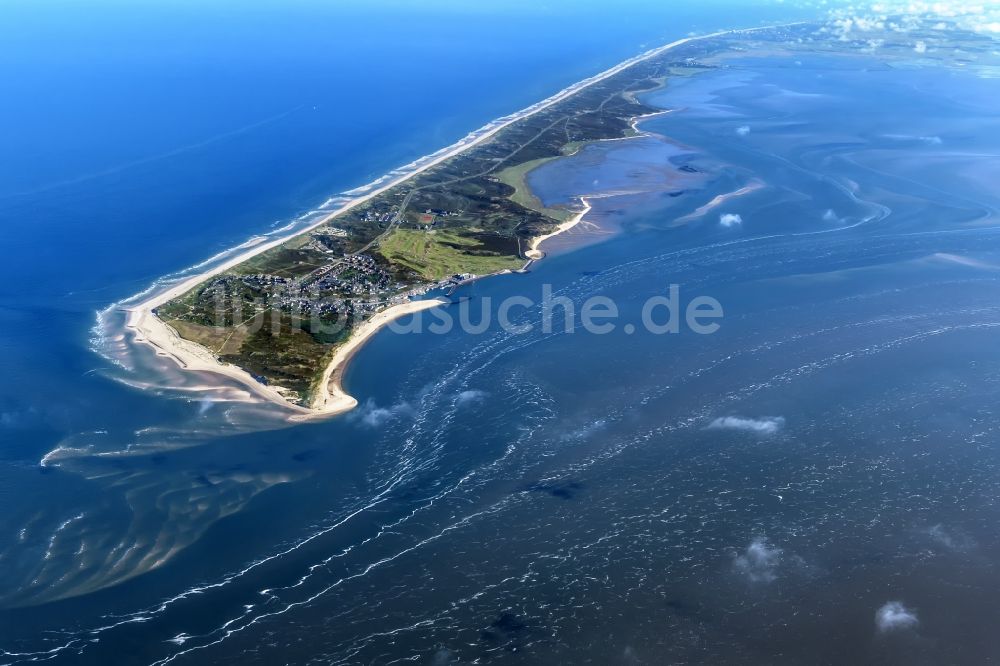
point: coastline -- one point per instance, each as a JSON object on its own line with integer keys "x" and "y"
{"x": 150, "y": 330}
{"x": 331, "y": 399}
{"x": 147, "y": 328}
{"x": 534, "y": 253}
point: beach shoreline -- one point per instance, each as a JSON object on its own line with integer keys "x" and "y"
{"x": 331, "y": 398}
{"x": 534, "y": 253}
{"x": 147, "y": 328}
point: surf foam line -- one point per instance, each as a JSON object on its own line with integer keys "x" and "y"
{"x": 78, "y": 641}
{"x": 236, "y": 624}
{"x": 251, "y": 614}
{"x": 697, "y": 417}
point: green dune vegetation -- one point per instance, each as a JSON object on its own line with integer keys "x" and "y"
{"x": 281, "y": 314}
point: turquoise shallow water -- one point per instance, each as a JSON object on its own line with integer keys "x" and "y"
{"x": 542, "y": 497}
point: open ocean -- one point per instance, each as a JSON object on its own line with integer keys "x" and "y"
{"x": 748, "y": 497}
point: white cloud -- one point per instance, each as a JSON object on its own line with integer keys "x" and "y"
{"x": 859, "y": 21}
{"x": 939, "y": 534}
{"x": 373, "y": 416}
{"x": 743, "y": 130}
{"x": 759, "y": 561}
{"x": 894, "y": 616}
{"x": 767, "y": 425}
{"x": 830, "y": 216}
{"x": 730, "y": 220}
{"x": 950, "y": 539}
{"x": 469, "y": 397}
{"x": 929, "y": 140}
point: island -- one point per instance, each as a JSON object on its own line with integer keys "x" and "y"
{"x": 285, "y": 317}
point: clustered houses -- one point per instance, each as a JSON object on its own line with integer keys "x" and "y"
{"x": 461, "y": 198}
{"x": 378, "y": 215}
{"x": 354, "y": 275}
{"x": 232, "y": 290}
{"x": 355, "y": 285}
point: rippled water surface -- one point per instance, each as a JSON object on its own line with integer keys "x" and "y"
{"x": 753, "y": 495}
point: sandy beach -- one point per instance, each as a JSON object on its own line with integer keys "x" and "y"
{"x": 331, "y": 398}
{"x": 534, "y": 253}
{"x": 147, "y": 328}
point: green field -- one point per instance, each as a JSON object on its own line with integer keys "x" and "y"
{"x": 473, "y": 213}
{"x": 516, "y": 176}
{"x": 438, "y": 254}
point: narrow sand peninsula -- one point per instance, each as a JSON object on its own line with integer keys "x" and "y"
{"x": 534, "y": 253}
{"x": 331, "y": 398}
{"x": 149, "y": 329}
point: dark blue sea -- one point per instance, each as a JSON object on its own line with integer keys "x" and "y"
{"x": 752, "y": 496}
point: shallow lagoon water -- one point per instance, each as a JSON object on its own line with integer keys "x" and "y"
{"x": 575, "y": 497}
